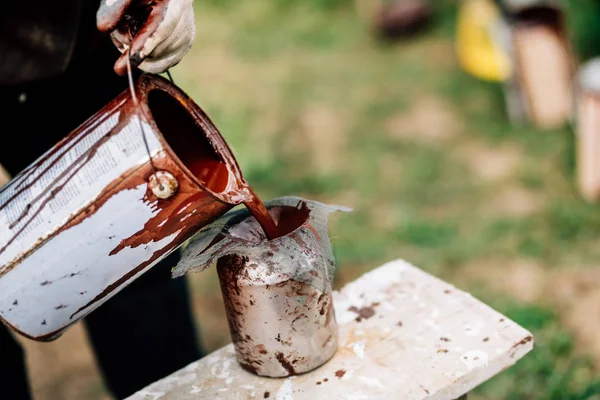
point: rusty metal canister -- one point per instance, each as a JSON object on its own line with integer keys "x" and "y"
{"x": 587, "y": 129}
{"x": 278, "y": 300}
{"x": 280, "y": 326}
{"x": 108, "y": 202}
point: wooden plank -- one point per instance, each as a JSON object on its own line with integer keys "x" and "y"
{"x": 419, "y": 338}
{"x": 587, "y": 129}
{"x": 545, "y": 68}
{"x": 588, "y": 147}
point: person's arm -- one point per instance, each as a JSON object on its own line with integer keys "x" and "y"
{"x": 159, "y": 32}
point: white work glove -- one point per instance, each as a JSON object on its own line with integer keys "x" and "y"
{"x": 159, "y": 32}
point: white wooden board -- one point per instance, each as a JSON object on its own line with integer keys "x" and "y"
{"x": 424, "y": 340}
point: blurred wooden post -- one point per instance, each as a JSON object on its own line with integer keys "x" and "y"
{"x": 403, "y": 334}
{"x": 544, "y": 65}
{"x": 587, "y": 130}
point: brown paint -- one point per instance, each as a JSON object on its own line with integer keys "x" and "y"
{"x": 363, "y": 313}
{"x": 322, "y": 303}
{"x": 522, "y": 342}
{"x": 199, "y": 156}
{"x": 259, "y": 211}
{"x": 285, "y": 219}
{"x": 291, "y": 218}
{"x": 179, "y": 216}
{"x": 340, "y": 373}
{"x": 285, "y": 363}
{"x": 262, "y": 349}
{"x": 249, "y": 368}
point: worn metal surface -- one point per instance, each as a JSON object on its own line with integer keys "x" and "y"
{"x": 403, "y": 335}
{"x": 280, "y": 324}
{"x": 81, "y": 223}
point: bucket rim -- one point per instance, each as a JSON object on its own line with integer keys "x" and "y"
{"x": 234, "y": 193}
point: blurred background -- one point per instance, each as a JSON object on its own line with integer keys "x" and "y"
{"x": 315, "y": 104}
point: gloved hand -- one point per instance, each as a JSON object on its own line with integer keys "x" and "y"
{"x": 159, "y": 32}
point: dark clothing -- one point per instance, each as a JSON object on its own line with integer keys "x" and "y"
{"x": 12, "y": 367}
{"x": 146, "y": 331}
{"x": 81, "y": 87}
{"x": 46, "y": 110}
{"x": 37, "y": 38}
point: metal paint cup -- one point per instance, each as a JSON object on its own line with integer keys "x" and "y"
{"x": 96, "y": 212}
{"x": 279, "y": 301}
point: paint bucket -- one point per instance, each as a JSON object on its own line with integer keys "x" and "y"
{"x": 277, "y": 293}
{"x": 117, "y": 195}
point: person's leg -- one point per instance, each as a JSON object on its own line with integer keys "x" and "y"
{"x": 145, "y": 332}
{"x": 13, "y": 372}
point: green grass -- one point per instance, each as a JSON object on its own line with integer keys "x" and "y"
{"x": 552, "y": 371}
{"x": 261, "y": 69}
